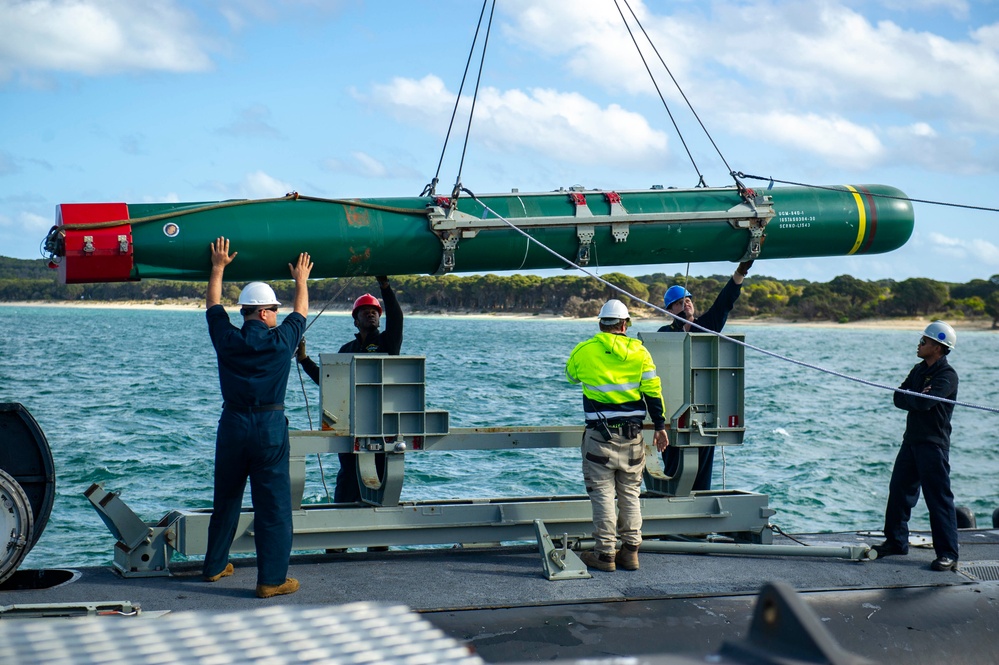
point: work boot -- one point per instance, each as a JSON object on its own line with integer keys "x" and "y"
{"x": 889, "y": 549}
{"x": 267, "y": 590}
{"x": 944, "y": 563}
{"x": 604, "y": 562}
{"x": 627, "y": 557}
{"x": 226, "y": 572}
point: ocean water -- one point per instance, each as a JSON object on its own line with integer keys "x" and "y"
{"x": 129, "y": 398}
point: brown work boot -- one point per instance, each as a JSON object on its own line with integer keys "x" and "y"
{"x": 267, "y": 590}
{"x": 627, "y": 557}
{"x": 226, "y": 572}
{"x": 604, "y": 562}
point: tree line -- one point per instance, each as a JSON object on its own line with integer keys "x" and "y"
{"x": 842, "y": 299}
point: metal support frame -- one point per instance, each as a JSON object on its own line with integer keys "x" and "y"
{"x": 374, "y": 403}
{"x": 741, "y": 515}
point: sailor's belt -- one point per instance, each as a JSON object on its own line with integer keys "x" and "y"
{"x": 253, "y": 409}
{"x": 613, "y": 425}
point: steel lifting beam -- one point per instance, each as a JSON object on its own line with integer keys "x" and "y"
{"x": 451, "y": 225}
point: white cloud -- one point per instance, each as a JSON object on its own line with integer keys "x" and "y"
{"x": 370, "y": 166}
{"x": 591, "y": 43}
{"x": 34, "y": 224}
{"x": 171, "y": 197}
{"x": 836, "y": 139}
{"x": 828, "y": 52}
{"x": 956, "y": 8}
{"x": 871, "y": 79}
{"x": 419, "y": 100}
{"x": 567, "y": 126}
{"x": 975, "y": 249}
{"x": 259, "y": 185}
{"x": 241, "y": 13}
{"x": 254, "y": 185}
{"x": 366, "y": 166}
{"x": 98, "y": 38}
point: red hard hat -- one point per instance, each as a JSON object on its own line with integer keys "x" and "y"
{"x": 367, "y": 300}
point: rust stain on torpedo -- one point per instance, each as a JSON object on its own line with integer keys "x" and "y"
{"x": 357, "y": 216}
{"x": 360, "y": 258}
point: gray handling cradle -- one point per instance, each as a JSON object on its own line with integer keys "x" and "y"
{"x": 376, "y": 404}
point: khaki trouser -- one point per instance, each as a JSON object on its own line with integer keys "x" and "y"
{"x": 613, "y": 469}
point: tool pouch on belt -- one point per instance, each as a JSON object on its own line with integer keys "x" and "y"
{"x": 627, "y": 430}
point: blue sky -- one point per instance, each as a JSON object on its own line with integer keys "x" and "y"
{"x": 139, "y": 101}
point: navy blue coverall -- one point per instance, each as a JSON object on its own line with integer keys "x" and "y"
{"x": 252, "y": 440}
{"x": 713, "y": 319}
{"x": 387, "y": 341}
{"x": 924, "y": 460}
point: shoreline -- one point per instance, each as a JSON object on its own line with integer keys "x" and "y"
{"x": 908, "y": 323}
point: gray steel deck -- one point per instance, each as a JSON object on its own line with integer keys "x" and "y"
{"x": 497, "y": 599}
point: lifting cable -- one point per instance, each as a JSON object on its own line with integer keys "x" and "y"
{"x": 743, "y": 190}
{"x": 471, "y": 114}
{"x": 431, "y": 188}
{"x": 744, "y": 344}
{"x": 700, "y": 176}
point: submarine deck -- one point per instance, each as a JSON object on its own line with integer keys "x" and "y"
{"x": 498, "y": 601}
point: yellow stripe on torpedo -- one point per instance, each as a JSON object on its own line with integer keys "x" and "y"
{"x": 862, "y": 215}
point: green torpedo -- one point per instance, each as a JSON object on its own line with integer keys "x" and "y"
{"x": 113, "y": 242}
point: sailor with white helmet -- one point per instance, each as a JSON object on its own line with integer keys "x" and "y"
{"x": 252, "y": 437}
{"x": 620, "y": 387}
{"x": 366, "y": 312}
{"x": 680, "y": 301}
{"x": 923, "y": 461}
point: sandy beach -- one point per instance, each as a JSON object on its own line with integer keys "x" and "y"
{"x": 913, "y": 323}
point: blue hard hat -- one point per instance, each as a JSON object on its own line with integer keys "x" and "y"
{"x": 674, "y": 293}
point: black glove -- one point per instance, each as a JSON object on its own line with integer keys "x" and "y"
{"x": 382, "y": 280}
{"x": 300, "y": 353}
{"x": 744, "y": 267}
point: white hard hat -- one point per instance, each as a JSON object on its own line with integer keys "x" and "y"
{"x": 941, "y": 332}
{"x": 613, "y": 311}
{"x": 257, "y": 293}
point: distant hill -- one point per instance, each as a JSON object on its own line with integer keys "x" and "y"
{"x": 25, "y": 269}
{"x": 842, "y": 299}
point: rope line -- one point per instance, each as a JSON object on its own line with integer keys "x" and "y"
{"x": 294, "y": 196}
{"x": 301, "y": 379}
{"x": 319, "y": 458}
{"x": 830, "y": 188}
{"x": 337, "y": 294}
{"x": 725, "y": 337}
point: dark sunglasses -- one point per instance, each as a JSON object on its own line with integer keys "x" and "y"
{"x": 272, "y": 308}
{"x": 923, "y": 341}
